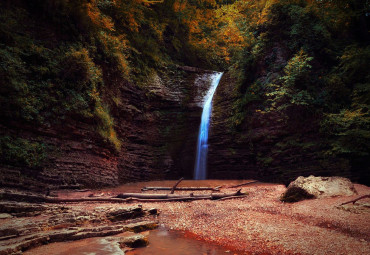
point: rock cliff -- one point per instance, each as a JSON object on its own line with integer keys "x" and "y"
{"x": 157, "y": 125}
{"x": 265, "y": 147}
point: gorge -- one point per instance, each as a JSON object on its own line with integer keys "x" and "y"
{"x": 236, "y": 99}
{"x": 93, "y": 96}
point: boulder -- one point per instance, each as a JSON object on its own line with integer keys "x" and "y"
{"x": 125, "y": 213}
{"x": 134, "y": 241}
{"x": 318, "y": 187}
{"x": 153, "y": 211}
{"x": 5, "y": 216}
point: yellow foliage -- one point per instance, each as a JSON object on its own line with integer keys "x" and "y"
{"x": 106, "y": 128}
{"x": 351, "y": 115}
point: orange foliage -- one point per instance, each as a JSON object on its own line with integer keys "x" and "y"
{"x": 97, "y": 18}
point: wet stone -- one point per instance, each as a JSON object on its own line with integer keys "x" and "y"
{"x": 153, "y": 211}
{"x": 141, "y": 226}
{"x": 125, "y": 213}
{"x": 134, "y": 241}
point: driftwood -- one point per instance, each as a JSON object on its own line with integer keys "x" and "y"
{"x": 355, "y": 200}
{"x": 78, "y": 200}
{"x": 243, "y": 184}
{"x": 123, "y": 198}
{"x": 177, "y": 183}
{"x": 169, "y": 198}
{"x": 139, "y": 197}
{"x": 213, "y": 196}
{"x": 181, "y": 188}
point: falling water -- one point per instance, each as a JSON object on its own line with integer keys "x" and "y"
{"x": 200, "y": 170}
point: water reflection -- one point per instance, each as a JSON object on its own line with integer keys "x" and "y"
{"x": 168, "y": 242}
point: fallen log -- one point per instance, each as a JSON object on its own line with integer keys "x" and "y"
{"x": 213, "y": 196}
{"x": 78, "y": 200}
{"x": 137, "y": 197}
{"x": 243, "y": 184}
{"x": 355, "y": 200}
{"x": 185, "y": 199}
{"x": 181, "y": 188}
{"x": 130, "y": 197}
{"x": 143, "y": 200}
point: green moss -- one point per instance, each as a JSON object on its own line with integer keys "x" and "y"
{"x": 106, "y": 126}
{"x": 22, "y": 152}
{"x": 266, "y": 161}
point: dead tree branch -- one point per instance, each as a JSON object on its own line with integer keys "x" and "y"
{"x": 174, "y": 186}
{"x": 181, "y": 188}
{"x": 243, "y": 184}
{"x": 355, "y": 200}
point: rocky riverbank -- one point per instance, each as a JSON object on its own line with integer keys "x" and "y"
{"x": 257, "y": 224}
{"x": 26, "y": 225}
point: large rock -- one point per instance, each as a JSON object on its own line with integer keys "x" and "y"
{"x": 134, "y": 241}
{"x": 125, "y": 213}
{"x": 318, "y": 187}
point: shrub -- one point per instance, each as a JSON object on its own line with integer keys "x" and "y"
{"x": 22, "y": 152}
{"x": 288, "y": 93}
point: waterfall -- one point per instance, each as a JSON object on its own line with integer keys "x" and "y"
{"x": 200, "y": 169}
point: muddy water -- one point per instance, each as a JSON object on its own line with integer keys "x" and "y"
{"x": 161, "y": 242}
{"x": 168, "y": 242}
{"x": 90, "y": 246}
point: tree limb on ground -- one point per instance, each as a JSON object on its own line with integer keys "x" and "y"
{"x": 181, "y": 188}
{"x": 139, "y": 197}
{"x": 173, "y": 196}
{"x": 177, "y": 183}
{"x": 123, "y": 198}
{"x": 355, "y": 200}
{"x": 243, "y": 184}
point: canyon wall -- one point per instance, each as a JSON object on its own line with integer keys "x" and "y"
{"x": 157, "y": 126}
{"x": 264, "y": 147}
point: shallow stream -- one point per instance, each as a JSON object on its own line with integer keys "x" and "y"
{"x": 169, "y": 242}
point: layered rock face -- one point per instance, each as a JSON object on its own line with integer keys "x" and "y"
{"x": 24, "y": 230}
{"x": 158, "y": 128}
{"x": 264, "y": 147}
{"x": 228, "y": 156}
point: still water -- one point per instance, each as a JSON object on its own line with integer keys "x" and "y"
{"x": 167, "y": 242}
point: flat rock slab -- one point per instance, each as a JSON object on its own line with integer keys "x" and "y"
{"x": 141, "y": 226}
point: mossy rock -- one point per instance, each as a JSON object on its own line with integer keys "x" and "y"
{"x": 295, "y": 194}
